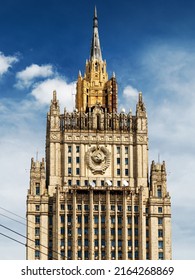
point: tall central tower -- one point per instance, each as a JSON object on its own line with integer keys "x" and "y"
{"x": 94, "y": 198}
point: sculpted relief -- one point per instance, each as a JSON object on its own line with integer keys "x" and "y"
{"x": 98, "y": 159}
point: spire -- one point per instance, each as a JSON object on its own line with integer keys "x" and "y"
{"x": 95, "y": 44}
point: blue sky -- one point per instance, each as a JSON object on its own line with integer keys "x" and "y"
{"x": 148, "y": 44}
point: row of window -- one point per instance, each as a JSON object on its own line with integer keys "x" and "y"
{"x": 118, "y": 149}
{"x": 103, "y": 207}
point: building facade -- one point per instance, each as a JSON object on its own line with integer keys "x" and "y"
{"x": 93, "y": 198}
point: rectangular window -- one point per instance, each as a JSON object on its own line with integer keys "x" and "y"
{"x": 86, "y": 183}
{"x": 129, "y": 255}
{"x": 113, "y": 243}
{"x": 119, "y": 220}
{"x": 69, "y": 149}
{"x": 129, "y": 208}
{"x": 37, "y": 219}
{"x": 118, "y": 160}
{"x": 79, "y": 207}
{"x": 120, "y": 243}
{"x": 79, "y": 219}
{"x": 86, "y": 242}
{"x": 126, "y": 172}
{"x": 136, "y": 231}
{"x": 160, "y": 210}
{"x": 159, "y": 191}
{"x": 37, "y": 190}
{"x": 77, "y": 159}
{"x": 160, "y": 233}
{"x": 129, "y": 220}
{"x": 160, "y": 244}
{"x": 78, "y": 182}
{"x": 79, "y": 230}
{"x": 37, "y": 231}
{"x": 103, "y": 231}
{"x": 118, "y": 171}
{"x": 118, "y": 150}
{"x": 160, "y": 256}
{"x": 160, "y": 221}
{"x": 136, "y": 208}
{"x": 62, "y": 230}
{"x": 129, "y": 231}
{"x": 77, "y": 171}
{"x": 86, "y": 207}
{"x": 136, "y": 220}
{"x": 126, "y": 161}
{"x": 62, "y": 206}
{"x": 96, "y": 219}
{"x": 62, "y": 243}
{"x": 86, "y": 219}
{"x": 69, "y": 159}
{"x": 37, "y": 242}
{"x": 69, "y": 171}
{"x": 112, "y": 219}
{"x": 37, "y": 254}
{"x": 96, "y": 231}
{"x": 103, "y": 219}
{"x": 120, "y": 208}
{"x": 77, "y": 149}
{"x": 96, "y": 207}
{"x": 103, "y": 207}
{"x": 69, "y": 219}
{"x": 102, "y": 183}
{"x": 129, "y": 243}
{"x": 118, "y": 183}
{"x": 70, "y": 182}
{"x": 69, "y": 207}
{"x": 112, "y": 207}
{"x": 96, "y": 242}
{"x": 119, "y": 231}
{"x": 112, "y": 231}
{"x": 126, "y": 150}
{"x": 136, "y": 243}
{"x": 62, "y": 218}
{"x": 37, "y": 207}
{"x": 86, "y": 255}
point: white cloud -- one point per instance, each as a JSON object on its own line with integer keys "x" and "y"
{"x": 27, "y": 76}
{"x": 130, "y": 92}
{"x": 43, "y": 92}
{"x": 6, "y": 62}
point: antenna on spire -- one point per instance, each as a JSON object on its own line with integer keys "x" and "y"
{"x": 37, "y": 155}
{"x": 158, "y": 157}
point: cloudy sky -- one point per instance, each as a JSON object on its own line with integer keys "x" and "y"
{"x": 150, "y": 45}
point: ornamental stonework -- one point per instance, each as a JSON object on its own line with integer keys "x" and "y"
{"x": 98, "y": 159}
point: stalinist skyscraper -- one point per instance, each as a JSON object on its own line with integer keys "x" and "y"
{"x": 92, "y": 198}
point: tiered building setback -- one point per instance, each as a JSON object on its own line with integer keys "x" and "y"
{"x": 92, "y": 198}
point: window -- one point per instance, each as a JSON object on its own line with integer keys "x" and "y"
{"x": 136, "y": 220}
{"x": 86, "y": 242}
{"x": 70, "y": 182}
{"x": 96, "y": 242}
{"x": 159, "y": 209}
{"x": 78, "y": 182}
{"x": 129, "y": 255}
{"x": 129, "y": 243}
{"x": 112, "y": 219}
{"x": 160, "y": 221}
{"x": 86, "y": 219}
{"x": 119, "y": 231}
{"x": 37, "y": 190}
{"x": 69, "y": 149}
{"x": 77, "y": 149}
{"x": 62, "y": 218}
{"x": 160, "y": 244}
{"x": 102, "y": 183}
{"x": 77, "y": 171}
{"x": 103, "y": 231}
{"x": 118, "y": 150}
{"x": 113, "y": 243}
{"x": 86, "y": 207}
{"x": 126, "y": 172}
{"x": 120, "y": 243}
{"x": 62, "y": 242}
{"x": 69, "y": 159}
{"x": 69, "y": 254}
{"x": 147, "y": 244}
{"x": 69, "y": 219}
{"x": 112, "y": 231}
{"x": 103, "y": 207}
{"x": 37, "y": 231}
{"x": 159, "y": 191}
{"x": 118, "y": 171}
{"x": 136, "y": 231}
{"x": 112, "y": 207}
{"x": 62, "y": 206}
{"x": 160, "y": 256}
{"x": 126, "y": 161}
{"x": 129, "y": 220}
{"x": 79, "y": 207}
{"x": 86, "y": 183}
{"x": 129, "y": 231}
{"x": 103, "y": 242}
{"x": 96, "y": 219}
{"x": 62, "y": 230}
{"x": 79, "y": 231}
{"x": 96, "y": 207}
{"x": 118, "y": 183}
{"x": 120, "y": 208}
{"x": 119, "y": 220}
{"x": 79, "y": 254}
{"x": 77, "y": 159}
{"x": 69, "y": 207}
{"x": 37, "y": 219}
{"x": 136, "y": 208}
{"x": 126, "y": 150}
{"x": 147, "y": 233}
{"x": 103, "y": 219}
{"x": 160, "y": 233}
{"x": 69, "y": 170}
{"x": 129, "y": 208}
{"x": 37, "y": 254}
{"x": 37, "y": 207}
{"x": 37, "y": 242}
{"x": 96, "y": 231}
{"x": 118, "y": 160}
{"x": 79, "y": 219}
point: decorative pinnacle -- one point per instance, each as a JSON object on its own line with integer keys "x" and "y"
{"x": 95, "y": 44}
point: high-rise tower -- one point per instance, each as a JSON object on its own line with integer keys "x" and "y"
{"x": 95, "y": 200}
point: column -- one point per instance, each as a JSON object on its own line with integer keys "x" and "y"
{"x": 108, "y": 257}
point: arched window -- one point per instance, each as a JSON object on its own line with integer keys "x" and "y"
{"x": 159, "y": 191}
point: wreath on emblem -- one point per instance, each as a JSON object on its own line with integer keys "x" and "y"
{"x": 98, "y": 159}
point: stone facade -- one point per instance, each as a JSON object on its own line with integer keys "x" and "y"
{"x": 94, "y": 199}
